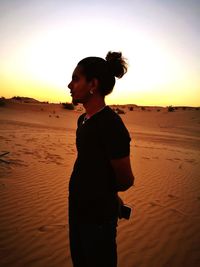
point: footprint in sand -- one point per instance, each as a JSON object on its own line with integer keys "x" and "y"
{"x": 154, "y": 204}
{"x": 51, "y": 227}
{"x": 190, "y": 161}
{"x": 180, "y": 166}
{"x": 18, "y": 144}
{"x": 172, "y": 196}
{"x": 2, "y": 186}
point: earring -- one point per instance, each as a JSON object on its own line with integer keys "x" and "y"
{"x": 91, "y": 92}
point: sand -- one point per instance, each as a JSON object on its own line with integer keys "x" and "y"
{"x": 164, "y": 229}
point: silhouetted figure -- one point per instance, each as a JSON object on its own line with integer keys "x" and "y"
{"x": 102, "y": 167}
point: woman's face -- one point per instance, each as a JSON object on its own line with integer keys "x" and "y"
{"x": 79, "y": 87}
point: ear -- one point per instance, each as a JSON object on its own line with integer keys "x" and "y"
{"x": 94, "y": 84}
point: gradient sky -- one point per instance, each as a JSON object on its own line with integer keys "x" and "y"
{"x": 42, "y": 41}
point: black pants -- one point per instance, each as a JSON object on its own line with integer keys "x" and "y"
{"x": 93, "y": 245}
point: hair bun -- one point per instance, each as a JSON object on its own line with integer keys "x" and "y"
{"x": 117, "y": 63}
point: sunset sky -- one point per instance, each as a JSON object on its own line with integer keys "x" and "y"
{"x": 42, "y": 41}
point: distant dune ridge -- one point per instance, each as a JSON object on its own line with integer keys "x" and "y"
{"x": 37, "y": 153}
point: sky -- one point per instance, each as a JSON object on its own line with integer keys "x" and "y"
{"x": 43, "y": 40}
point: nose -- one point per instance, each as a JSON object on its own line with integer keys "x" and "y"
{"x": 69, "y": 86}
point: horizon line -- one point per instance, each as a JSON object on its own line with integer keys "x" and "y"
{"x": 22, "y": 98}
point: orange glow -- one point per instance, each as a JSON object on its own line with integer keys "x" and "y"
{"x": 38, "y": 60}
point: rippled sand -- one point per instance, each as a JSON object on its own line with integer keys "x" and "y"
{"x": 164, "y": 230}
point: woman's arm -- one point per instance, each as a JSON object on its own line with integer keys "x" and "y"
{"x": 123, "y": 173}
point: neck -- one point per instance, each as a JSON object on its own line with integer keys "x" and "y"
{"x": 94, "y": 105}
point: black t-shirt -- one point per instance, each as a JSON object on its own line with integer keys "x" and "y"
{"x": 92, "y": 187}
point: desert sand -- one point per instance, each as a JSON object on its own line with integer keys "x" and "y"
{"x": 164, "y": 229}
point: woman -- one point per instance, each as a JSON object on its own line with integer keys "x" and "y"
{"x": 102, "y": 167}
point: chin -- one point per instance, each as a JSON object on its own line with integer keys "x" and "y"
{"x": 75, "y": 102}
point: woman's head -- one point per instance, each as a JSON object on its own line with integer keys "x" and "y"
{"x": 104, "y": 70}
{"x": 95, "y": 76}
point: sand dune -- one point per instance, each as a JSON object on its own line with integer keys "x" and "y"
{"x": 164, "y": 230}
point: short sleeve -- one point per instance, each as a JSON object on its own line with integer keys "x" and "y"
{"x": 116, "y": 139}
